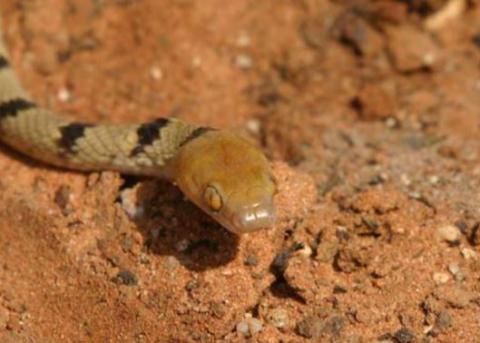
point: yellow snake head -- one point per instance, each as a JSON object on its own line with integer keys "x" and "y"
{"x": 229, "y": 179}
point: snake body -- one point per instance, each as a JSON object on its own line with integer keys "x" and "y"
{"x": 219, "y": 171}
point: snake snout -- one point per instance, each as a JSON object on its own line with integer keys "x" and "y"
{"x": 255, "y": 217}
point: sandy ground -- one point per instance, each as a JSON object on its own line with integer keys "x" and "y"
{"x": 370, "y": 113}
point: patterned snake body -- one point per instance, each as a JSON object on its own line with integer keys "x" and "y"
{"x": 219, "y": 171}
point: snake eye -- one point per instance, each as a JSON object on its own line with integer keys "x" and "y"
{"x": 213, "y": 198}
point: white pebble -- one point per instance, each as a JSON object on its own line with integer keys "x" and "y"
{"x": 384, "y": 176}
{"x": 156, "y": 73}
{"x": 127, "y": 198}
{"x": 243, "y": 40}
{"x": 227, "y": 272}
{"x": 449, "y": 233}
{"x": 468, "y": 253}
{"x": 249, "y": 326}
{"x": 306, "y": 251}
{"x": 64, "y": 95}
{"x": 429, "y": 59}
{"x": 196, "y": 62}
{"x": 243, "y": 329}
{"x": 441, "y": 278}
{"x": 243, "y": 61}
{"x": 453, "y": 268}
{"x": 254, "y": 126}
{"x": 391, "y": 122}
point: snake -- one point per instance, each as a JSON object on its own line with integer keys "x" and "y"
{"x": 218, "y": 170}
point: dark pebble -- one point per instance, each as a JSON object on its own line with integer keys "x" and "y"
{"x": 385, "y": 337}
{"x": 126, "y": 277}
{"x": 62, "y": 199}
{"x": 442, "y": 322}
{"x": 308, "y": 327}
{"x": 404, "y": 336}
{"x": 251, "y": 260}
{"x": 337, "y": 289}
{"x": 474, "y": 237}
{"x": 334, "y": 325}
{"x": 462, "y": 226}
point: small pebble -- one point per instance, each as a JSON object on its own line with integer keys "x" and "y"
{"x": 453, "y": 268}
{"x": 191, "y": 285}
{"x": 441, "y": 278}
{"x": 127, "y": 244}
{"x": 449, "y": 233}
{"x": 227, "y": 272}
{"x": 391, "y": 122}
{"x": 429, "y": 59}
{"x": 404, "y": 336}
{"x": 468, "y": 253}
{"x": 254, "y": 126}
{"x": 315, "y": 327}
{"x": 243, "y": 329}
{"x": 64, "y": 95}
{"x": 460, "y": 298}
{"x": 342, "y": 233}
{"x": 126, "y": 277}
{"x": 443, "y": 321}
{"x": 182, "y": 245}
{"x": 474, "y": 235}
{"x": 196, "y": 62}
{"x": 279, "y": 318}
{"x": 327, "y": 250}
{"x": 243, "y": 61}
{"x": 251, "y": 260}
{"x": 156, "y": 73}
{"x": 63, "y": 197}
{"x": 249, "y": 326}
{"x": 171, "y": 262}
{"x": 339, "y": 289}
{"x": 428, "y": 330}
{"x": 127, "y": 200}
{"x": 305, "y": 251}
{"x": 243, "y": 40}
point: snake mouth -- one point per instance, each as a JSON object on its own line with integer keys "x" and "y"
{"x": 252, "y": 218}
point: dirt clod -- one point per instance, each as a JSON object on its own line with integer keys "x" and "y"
{"x": 443, "y": 321}
{"x": 408, "y": 57}
{"x": 315, "y": 327}
{"x": 449, "y": 233}
{"x": 376, "y": 101}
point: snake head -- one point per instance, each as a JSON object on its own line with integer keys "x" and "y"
{"x": 229, "y": 179}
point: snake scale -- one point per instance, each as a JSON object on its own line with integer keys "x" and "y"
{"x": 219, "y": 171}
